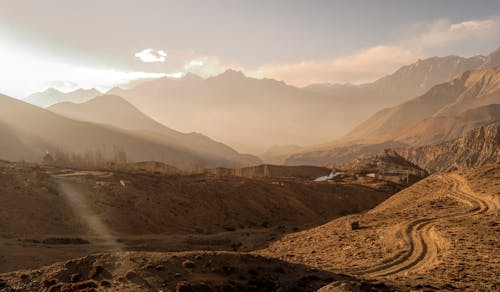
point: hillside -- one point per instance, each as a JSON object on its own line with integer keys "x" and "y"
{"x": 74, "y": 212}
{"x": 277, "y": 154}
{"x": 52, "y": 96}
{"x": 339, "y": 154}
{"x": 407, "y": 82}
{"x": 446, "y": 111}
{"x": 443, "y": 128}
{"x": 237, "y": 110}
{"x": 31, "y": 131}
{"x": 475, "y": 148}
{"x": 420, "y": 238}
{"x": 117, "y": 112}
{"x": 468, "y": 90}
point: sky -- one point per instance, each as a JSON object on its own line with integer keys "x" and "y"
{"x": 72, "y": 44}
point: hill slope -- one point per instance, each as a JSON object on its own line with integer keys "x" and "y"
{"x": 407, "y": 82}
{"x": 117, "y": 112}
{"x": 468, "y": 90}
{"x": 238, "y": 110}
{"x": 443, "y": 128}
{"x": 421, "y": 237}
{"x": 477, "y": 147}
{"x": 39, "y": 130}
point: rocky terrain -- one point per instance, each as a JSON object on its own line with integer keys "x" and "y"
{"x": 340, "y": 154}
{"x": 182, "y": 271}
{"x": 477, "y": 147}
{"x": 76, "y": 212}
{"x": 439, "y": 234}
{"x": 468, "y": 90}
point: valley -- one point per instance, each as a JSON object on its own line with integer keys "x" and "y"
{"x": 270, "y": 146}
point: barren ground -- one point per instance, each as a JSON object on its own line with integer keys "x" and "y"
{"x": 439, "y": 234}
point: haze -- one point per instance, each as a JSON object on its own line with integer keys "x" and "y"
{"x": 230, "y": 145}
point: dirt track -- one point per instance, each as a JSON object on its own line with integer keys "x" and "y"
{"x": 419, "y": 234}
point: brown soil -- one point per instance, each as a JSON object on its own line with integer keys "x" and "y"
{"x": 441, "y": 233}
{"x": 50, "y": 214}
{"x": 207, "y": 271}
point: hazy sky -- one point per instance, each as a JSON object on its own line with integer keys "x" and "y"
{"x": 93, "y": 43}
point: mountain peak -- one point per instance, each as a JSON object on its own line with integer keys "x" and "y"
{"x": 493, "y": 59}
{"x": 49, "y": 90}
{"x": 233, "y": 73}
{"x": 191, "y": 77}
{"x": 83, "y": 90}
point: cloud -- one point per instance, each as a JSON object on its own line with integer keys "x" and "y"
{"x": 442, "y": 33}
{"x": 362, "y": 66}
{"x": 205, "y": 66}
{"x": 152, "y": 56}
{"x": 373, "y": 62}
{"x": 192, "y": 64}
{"x": 24, "y": 73}
{"x": 61, "y": 85}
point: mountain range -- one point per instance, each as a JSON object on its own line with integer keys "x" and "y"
{"x": 445, "y": 112}
{"x": 28, "y": 132}
{"x": 249, "y": 113}
{"x": 431, "y": 101}
{"x": 117, "y": 112}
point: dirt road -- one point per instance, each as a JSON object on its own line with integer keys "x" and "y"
{"x": 422, "y": 241}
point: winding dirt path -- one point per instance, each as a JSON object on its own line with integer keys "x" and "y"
{"x": 420, "y": 237}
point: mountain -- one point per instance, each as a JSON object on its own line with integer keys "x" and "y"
{"x": 476, "y": 148}
{"x": 443, "y": 128}
{"x": 446, "y": 111}
{"x": 466, "y": 91}
{"x": 339, "y": 154}
{"x": 238, "y": 110}
{"x": 52, "y": 96}
{"x": 492, "y": 60}
{"x": 277, "y": 154}
{"x": 244, "y": 112}
{"x": 29, "y": 131}
{"x": 407, "y": 82}
{"x": 117, "y": 112}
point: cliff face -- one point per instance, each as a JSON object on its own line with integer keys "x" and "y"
{"x": 475, "y": 148}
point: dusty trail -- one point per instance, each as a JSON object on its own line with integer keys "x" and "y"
{"x": 420, "y": 237}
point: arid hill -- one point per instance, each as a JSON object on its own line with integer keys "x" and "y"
{"x": 117, "y": 112}
{"x": 467, "y": 91}
{"x": 443, "y": 128}
{"x": 275, "y": 171}
{"x": 445, "y": 112}
{"x": 277, "y": 154}
{"x": 75, "y": 212}
{"x": 475, "y": 148}
{"x": 237, "y": 109}
{"x": 439, "y": 234}
{"x": 340, "y": 154}
{"x": 28, "y": 132}
{"x": 182, "y": 271}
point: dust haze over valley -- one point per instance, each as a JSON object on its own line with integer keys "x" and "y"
{"x": 249, "y": 146}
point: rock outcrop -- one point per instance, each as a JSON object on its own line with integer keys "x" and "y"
{"x": 475, "y": 148}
